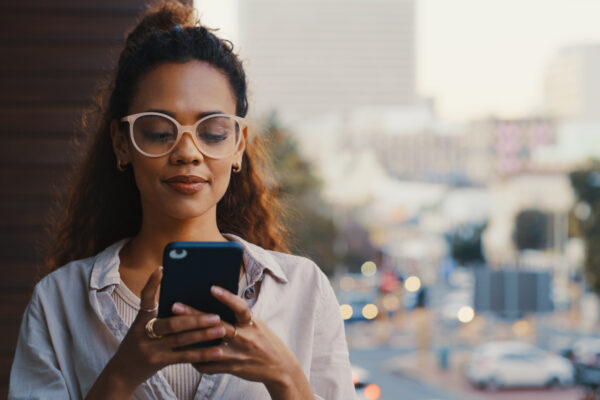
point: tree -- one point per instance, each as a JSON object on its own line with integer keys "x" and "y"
{"x": 311, "y": 228}
{"x": 586, "y": 184}
{"x": 465, "y": 243}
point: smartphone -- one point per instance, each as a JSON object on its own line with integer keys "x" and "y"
{"x": 190, "y": 269}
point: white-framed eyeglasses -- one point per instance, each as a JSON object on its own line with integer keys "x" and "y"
{"x": 156, "y": 134}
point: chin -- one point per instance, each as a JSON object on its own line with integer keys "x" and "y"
{"x": 184, "y": 213}
{"x": 188, "y": 211}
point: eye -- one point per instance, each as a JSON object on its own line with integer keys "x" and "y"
{"x": 211, "y": 137}
{"x": 159, "y": 136}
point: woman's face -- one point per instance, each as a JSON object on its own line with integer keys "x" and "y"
{"x": 184, "y": 91}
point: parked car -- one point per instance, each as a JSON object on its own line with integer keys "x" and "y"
{"x": 585, "y": 357}
{"x": 517, "y": 364}
{"x": 587, "y": 351}
{"x": 358, "y": 306}
{"x": 357, "y": 297}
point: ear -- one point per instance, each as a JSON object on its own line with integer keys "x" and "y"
{"x": 120, "y": 143}
{"x": 239, "y": 152}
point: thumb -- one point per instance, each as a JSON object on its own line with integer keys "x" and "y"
{"x": 149, "y": 297}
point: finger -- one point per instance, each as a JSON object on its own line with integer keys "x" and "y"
{"x": 182, "y": 323}
{"x": 237, "y": 304}
{"x": 150, "y": 292}
{"x": 207, "y": 354}
{"x": 183, "y": 309}
{"x": 214, "y": 367}
{"x": 192, "y": 337}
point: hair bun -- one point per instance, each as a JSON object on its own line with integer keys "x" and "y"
{"x": 162, "y": 16}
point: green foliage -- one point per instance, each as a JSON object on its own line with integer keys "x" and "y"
{"x": 586, "y": 184}
{"x": 311, "y": 228}
{"x": 465, "y": 244}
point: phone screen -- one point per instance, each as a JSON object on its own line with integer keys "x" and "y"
{"x": 191, "y": 268}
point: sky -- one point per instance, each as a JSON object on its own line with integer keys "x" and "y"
{"x": 477, "y": 57}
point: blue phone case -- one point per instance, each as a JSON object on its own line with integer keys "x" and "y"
{"x": 190, "y": 269}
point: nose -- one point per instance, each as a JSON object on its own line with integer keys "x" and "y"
{"x": 186, "y": 152}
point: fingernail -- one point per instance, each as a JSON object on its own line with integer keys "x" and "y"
{"x": 178, "y": 307}
{"x": 218, "y": 331}
{"x": 213, "y": 319}
{"x": 160, "y": 269}
{"x": 216, "y": 290}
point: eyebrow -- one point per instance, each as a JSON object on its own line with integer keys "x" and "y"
{"x": 198, "y": 116}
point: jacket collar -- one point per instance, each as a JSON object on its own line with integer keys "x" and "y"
{"x": 257, "y": 260}
{"x": 105, "y": 271}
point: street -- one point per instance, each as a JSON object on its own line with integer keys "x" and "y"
{"x": 394, "y": 386}
{"x": 402, "y": 372}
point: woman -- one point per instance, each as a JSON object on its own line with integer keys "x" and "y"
{"x": 153, "y": 175}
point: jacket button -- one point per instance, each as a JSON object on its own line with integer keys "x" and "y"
{"x": 249, "y": 293}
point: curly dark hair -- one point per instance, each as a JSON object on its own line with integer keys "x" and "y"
{"x": 101, "y": 205}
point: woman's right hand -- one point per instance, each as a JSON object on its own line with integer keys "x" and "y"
{"x": 139, "y": 357}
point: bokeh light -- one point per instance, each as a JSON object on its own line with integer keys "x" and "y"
{"x": 368, "y": 268}
{"x": 346, "y": 311}
{"x": 347, "y": 283}
{"x": 372, "y": 392}
{"x": 521, "y": 328}
{"x": 412, "y": 283}
{"x": 465, "y": 314}
{"x": 391, "y": 302}
{"x": 370, "y": 311}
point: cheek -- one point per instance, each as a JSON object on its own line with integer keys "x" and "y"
{"x": 145, "y": 173}
{"x": 221, "y": 176}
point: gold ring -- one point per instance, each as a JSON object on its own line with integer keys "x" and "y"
{"x": 155, "y": 308}
{"x": 226, "y": 339}
{"x": 150, "y": 329}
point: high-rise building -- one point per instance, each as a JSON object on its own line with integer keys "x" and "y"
{"x": 321, "y": 56}
{"x": 573, "y": 83}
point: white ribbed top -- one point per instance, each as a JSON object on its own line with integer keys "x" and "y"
{"x": 183, "y": 378}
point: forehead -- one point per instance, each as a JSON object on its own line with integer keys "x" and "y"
{"x": 184, "y": 89}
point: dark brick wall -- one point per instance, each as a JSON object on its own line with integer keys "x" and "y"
{"x": 52, "y": 55}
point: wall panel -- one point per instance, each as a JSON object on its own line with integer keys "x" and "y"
{"x": 53, "y": 55}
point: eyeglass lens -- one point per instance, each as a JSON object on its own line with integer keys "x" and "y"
{"x": 216, "y": 136}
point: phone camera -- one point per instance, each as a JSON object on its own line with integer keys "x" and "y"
{"x": 178, "y": 254}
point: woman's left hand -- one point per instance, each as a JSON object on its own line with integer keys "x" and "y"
{"x": 252, "y": 351}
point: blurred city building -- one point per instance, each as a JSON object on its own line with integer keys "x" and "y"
{"x": 572, "y": 100}
{"x": 497, "y": 148}
{"x": 573, "y": 84}
{"x": 411, "y": 143}
{"x": 318, "y": 56}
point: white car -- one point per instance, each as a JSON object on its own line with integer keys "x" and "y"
{"x": 517, "y": 364}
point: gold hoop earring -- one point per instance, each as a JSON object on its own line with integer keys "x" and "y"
{"x": 121, "y": 167}
{"x": 236, "y": 168}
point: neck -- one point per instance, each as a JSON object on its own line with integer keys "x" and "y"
{"x": 145, "y": 250}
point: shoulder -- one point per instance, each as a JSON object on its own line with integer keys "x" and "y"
{"x": 295, "y": 265}
{"x": 302, "y": 273}
{"x": 293, "y": 270}
{"x": 95, "y": 272}
{"x": 67, "y": 277}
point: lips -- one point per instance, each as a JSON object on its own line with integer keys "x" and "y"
{"x": 186, "y": 184}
